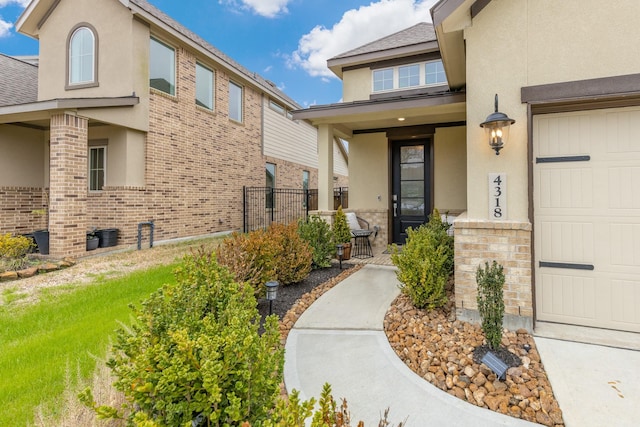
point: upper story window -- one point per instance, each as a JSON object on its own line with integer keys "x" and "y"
{"x": 162, "y": 67}
{"x": 204, "y": 86}
{"x": 421, "y": 74}
{"x": 235, "y": 102}
{"x": 82, "y": 56}
{"x": 276, "y": 107}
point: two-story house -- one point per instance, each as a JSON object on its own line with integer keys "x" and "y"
{"x": 550, "y": 188}
{"x": 130, "y": 117}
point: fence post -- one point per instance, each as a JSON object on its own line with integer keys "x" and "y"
{"x": 244, "y": 208}
{"x": 273, "y": 203}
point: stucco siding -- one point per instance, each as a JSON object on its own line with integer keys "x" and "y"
{"x": 21, "y": 157}
{"x": 293, "y": 141}
{"x": 450, "y": 169}
{"x": 122, "y": 67}
{"x": 368, "y": 166}
{"x": 356, "y": 85}
{"x": 518, "y": 43}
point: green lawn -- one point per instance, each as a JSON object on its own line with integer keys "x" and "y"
{"x": 39, "y": 343}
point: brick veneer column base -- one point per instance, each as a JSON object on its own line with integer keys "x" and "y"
{"x": 68, "y": 185}
{"x": 507, "y": 242}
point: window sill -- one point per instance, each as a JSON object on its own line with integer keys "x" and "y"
{"x": 166, "y": 95}
{"x": 81, "y": 85}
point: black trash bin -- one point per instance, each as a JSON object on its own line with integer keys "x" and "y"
{"x": 108, "y": 237}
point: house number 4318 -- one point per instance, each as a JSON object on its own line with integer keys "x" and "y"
{"x": 498, "y": 196}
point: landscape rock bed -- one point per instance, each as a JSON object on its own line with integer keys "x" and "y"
{"x": 440, "y": 349}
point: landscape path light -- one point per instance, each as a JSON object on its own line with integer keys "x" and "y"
{"x": 272, "y": 293}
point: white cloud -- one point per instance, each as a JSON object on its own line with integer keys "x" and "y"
{"x": 22, "y": 3}
{"x": 266, "y": 8}
{"x": 5, "y": 28}
{"x": 356, "y": 28}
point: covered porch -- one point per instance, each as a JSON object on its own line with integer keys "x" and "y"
{"x": 407, "y": 157}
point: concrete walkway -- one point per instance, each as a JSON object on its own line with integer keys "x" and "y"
{"x": 340, "y": 340}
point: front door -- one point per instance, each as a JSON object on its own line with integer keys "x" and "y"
{"x": 411, "y": 198}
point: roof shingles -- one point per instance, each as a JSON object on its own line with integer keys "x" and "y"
{"x": 18, "y": 81}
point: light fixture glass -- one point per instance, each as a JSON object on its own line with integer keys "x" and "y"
{"x": 272, "y": 290}
{"x": 497, "y": 127}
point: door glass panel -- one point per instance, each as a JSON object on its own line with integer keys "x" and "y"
{"x": 412, "y": 171}
{"x": 412, "y": 206}
{"x": 412, "y": 189}
{"x": 412, "y": 154}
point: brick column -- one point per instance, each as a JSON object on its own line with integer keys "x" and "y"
{"x": 68, "y": 185}
{"x": 507, "y": 242}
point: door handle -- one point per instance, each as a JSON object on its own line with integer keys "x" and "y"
{"x": 395, "y": 210}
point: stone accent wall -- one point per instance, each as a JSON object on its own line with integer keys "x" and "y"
{"x": 23, "y": 209}
{"x": 507, "y": 242}
{"x": 68, "y": 185}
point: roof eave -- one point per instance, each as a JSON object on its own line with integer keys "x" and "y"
{"x": 336, "y": 65}
{"x": 70, "y": 104}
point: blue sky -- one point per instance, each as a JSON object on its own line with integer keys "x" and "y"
{"x": 285, "y": 41}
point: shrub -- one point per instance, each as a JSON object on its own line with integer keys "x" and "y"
{"x": 317, "y": 233}
{"x": 12, "y": 247}
{"x": 278, "y": 253}
{"x": 490, "y": 280}
{"x": 340, "y": 227}
{"x": 194, "y": 355}
{"x": 425, "y": 263}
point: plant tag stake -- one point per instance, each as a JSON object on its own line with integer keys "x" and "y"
{"x": 496, "y": 364}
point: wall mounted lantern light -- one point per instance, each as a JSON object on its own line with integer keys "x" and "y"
{"x": 497, "y": 127}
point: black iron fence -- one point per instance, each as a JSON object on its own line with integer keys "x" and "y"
{"x": 264, "y": 205}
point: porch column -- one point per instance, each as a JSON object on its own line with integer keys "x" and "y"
{"x": 325, "y": 168}
{"x": 68, "y": 185}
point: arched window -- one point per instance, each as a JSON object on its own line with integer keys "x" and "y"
{"x": 82, "y": 56}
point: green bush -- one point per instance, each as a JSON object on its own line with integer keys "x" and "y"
{"x": 490, "y": 280}
{"x": 317, "y": 233}
{"x": 278, "y": 253}
{"x": 425, "y": 263}
{"x": 340, "y": 227}
{"x": 12, "y": 247}
{"x": 194, "y": 353}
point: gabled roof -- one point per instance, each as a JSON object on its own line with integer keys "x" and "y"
{"x": 37, "y": 12}
{"x": 419, "y": 33}
{"x": 420, "y": 38}
{"x": 18, "y": 81}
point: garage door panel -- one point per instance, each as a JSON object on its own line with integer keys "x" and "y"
{"x": 624, "y": 187}
{"x": 566, "y": 242}
{"x": 566, "y": 296}
{"x": 566, "y": 187}
{"x": 625, "y": 301}
{"x": 623, "y": 130}
{"x": 587, "y": 213}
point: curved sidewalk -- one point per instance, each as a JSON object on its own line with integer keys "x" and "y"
{"x": 340, "y": 340}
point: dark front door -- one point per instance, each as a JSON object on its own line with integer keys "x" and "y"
{"x": 411, "y": 198}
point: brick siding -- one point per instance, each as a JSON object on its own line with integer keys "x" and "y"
{"x": 507, "y": 242}
{"x": 23, "y": 209}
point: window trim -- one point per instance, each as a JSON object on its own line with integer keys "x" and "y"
{"x": 175, "y": 66}
{"x": 104, "y": 166}
{"x": 96, "y": 44}
{"x": 422, "y": 67}
{"x": 213, "y": 87}
{"x": 241, "y": 87}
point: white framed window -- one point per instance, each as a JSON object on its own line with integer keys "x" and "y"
{"x": 409, "y": 76}
{"x": 97, "y": 167}
{"x": 421, "y": 74}
{"x": 162, "y": 67}
{"x": 382, "y": 80}
{"x": 82, "y": 56}
{"x": 204, "y": 86}
{"x": 276, "y": 107}
{"x": 235, "y": 101}
{"x": 434, "y": 73}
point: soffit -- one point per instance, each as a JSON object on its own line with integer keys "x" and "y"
{"x": 346, "y": 118}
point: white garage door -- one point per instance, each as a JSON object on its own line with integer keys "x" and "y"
{"x": 587, "y": 218}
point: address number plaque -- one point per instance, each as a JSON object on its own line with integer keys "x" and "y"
{"x": 498, "y": 196}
